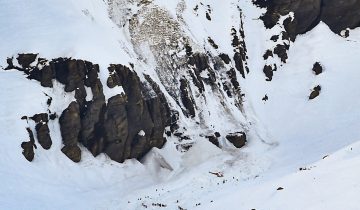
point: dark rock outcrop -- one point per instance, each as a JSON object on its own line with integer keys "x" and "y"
{"x": 225, "y": 58}
{"x": 127, "y": 126}
{"x": 239, "y": 64}
{"x": 26, "y": 59}
{"x": 338, "y": 15}
{"x": 315, "y": 93}
{"x": 186, "y": 98}
{"x": 317, "y": 68}
{"x": 268, "y": 71}
{"x": 214, "y": 140}
{"x": 136, "y": 121}
{"x": 70, "y": 126}
{"x": 28, "y": 147}
{"x": 28, "y": 150}
{"x": 238, "y": 139}
{"x": 281, "y": 51}
{"x": 267, "y": 54}
{"x": 43, "y": 135}
{"x": 42, "y": 130}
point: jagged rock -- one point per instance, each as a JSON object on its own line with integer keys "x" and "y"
{"x": 188, "y": 50}
{"x": 339, "y": 15}
{"x": 212, "y": 43}
{"x": 165, "y": 109}
{"x": 267, "y": 54}
{"x": 138, "y": 114}
{"x": 214, "y": 140}
{"x": 274, "y": 38}
{"x": 47, "y": 76}
{"x": 315, "y": 93}
{"x": 92, "y": 74}
{"x": 42, "y": 117}
{"x": 208, "y": 16}
{"x": 232, "y": 75}
{"x": 200, "y": 61}
{"x": 236, "y": 41}
{"x": 113, "y": 79}
{"x": 239, "y": 64}
{"x": 75, "y": 75}
{"x": 186, "y": 98}
{"x": 90, "y": 121}
{"x": 238, "y": 139}
{"x": 73, "y": 152}
{"x": 26, "y": 59}
{"x": 28, "y": 147}
{"x": 174, "y": 121}
{"x": 116, "y": 127}
{"x": 308, "y": 13}
{"x": 70, "y": 124}
{"x": 9, "y": 61}
{"x": 135, "y": 123}
{"x": 53, "y": 116}
{"x": 317, "y": 68}
{"x": 225, "y": 58}
{"x": 28, "y": 150}
{"x": 281, "y": 51}
{"x": 160, "y": 115}
{"x": 217, "y": 134}
{"x": 268, "y": 71}
{"x": 43, "y": 135}
{"x": 97, "y": 90}
{"x": 128, "y": 126}
{"x": 80, "y": 96}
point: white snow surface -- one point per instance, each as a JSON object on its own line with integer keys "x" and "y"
{"x": 286, "y": 133}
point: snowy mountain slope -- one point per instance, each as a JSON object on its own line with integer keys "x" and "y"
{"x": 284, "y": 133}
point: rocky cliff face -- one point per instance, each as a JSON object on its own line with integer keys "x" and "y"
{"x": 125, "y": 126}
{"x": 338, "y": 15}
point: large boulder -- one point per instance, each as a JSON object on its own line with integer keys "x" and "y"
{"x": 238, "y": 139}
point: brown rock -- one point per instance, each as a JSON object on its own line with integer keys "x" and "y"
{"x": 70, "y": 124}
{"x": 315, "y": 93}
{"x": 26, "y": 59}
{"x": 72, "y": 152}
{"x": 43, "y": 135}
{"x": 238, "y": 139}
{"x": 317, "y": 68}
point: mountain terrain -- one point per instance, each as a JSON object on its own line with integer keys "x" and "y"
{"x": 153, "y": 104}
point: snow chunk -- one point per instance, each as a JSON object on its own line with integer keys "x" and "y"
{"x": 141, "y": 133}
